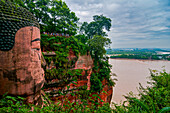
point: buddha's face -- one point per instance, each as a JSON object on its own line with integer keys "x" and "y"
{"x": 20, "y": 67}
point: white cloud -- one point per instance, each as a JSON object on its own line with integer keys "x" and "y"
{"x": 82, "y": 13}
{"x": 157, "y": 28}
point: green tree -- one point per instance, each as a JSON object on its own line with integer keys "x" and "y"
{"x": 62, "y": 19}
{"x": 96, "y": 27}
{"x": 97, "y": 46}
{"x": 82, "y": 38}
{"x": 95, "y": 34}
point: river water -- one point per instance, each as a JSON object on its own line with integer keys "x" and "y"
{"x": 132, "y": 72}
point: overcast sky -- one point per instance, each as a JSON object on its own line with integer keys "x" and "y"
{"x": 135, "y": 23}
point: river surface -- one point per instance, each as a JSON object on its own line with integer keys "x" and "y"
{"x": 130, "y": 73}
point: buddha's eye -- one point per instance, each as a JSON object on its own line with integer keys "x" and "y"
{"x": 35, "y": 44}
{"x": 37, "y": 39}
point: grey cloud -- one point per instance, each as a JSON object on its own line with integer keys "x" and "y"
{"x": 132, "y": 20}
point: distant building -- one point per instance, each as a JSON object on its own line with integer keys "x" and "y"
{"x": 163, "y": 53}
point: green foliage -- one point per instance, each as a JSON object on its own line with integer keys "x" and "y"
{"x": 62, "y": 67}
{"x": 53, "y": 15}
{"x": 139, "y": 56}
{"x": 158, "y": 94}
{"x": 97, "y": 44}
{"x": 10, "y": 104}
{"x": 96, "y": 84}
{"x": 63, "y": 45}
{"x": 101, "y": 71}
{"x": 82, "y": 38}
{"x": 96, "y": 27}
{"x": 164, "y": 110}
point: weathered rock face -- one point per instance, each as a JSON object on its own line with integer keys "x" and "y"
{"x": 21, "y": 72}
{"x": 20, "y": 54}
{"x": 85, "y": 62}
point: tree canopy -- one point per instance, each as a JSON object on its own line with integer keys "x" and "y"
{"x": 53, "y": 15}
{"x": 97, "y": 44}
{"x": 95, "y": 36}
{"x": 96, "y": 27}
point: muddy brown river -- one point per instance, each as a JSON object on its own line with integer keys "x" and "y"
{"x": 132, "y": 72}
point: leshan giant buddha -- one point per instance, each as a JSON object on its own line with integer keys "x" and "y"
{"x": 20, "y": 54}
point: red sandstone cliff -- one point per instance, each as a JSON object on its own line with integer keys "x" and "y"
{"x": 84, "y": 62}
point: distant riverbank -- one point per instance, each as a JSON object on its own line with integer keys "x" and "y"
{"x": 138, "y": 59}
{"x": 142, "y": 57}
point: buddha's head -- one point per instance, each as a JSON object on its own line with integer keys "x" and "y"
{"x": 20, "y": 52}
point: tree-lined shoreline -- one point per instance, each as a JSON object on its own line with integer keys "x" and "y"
{"x": 139, "y": 53}
{"x": 138, "y": 59}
